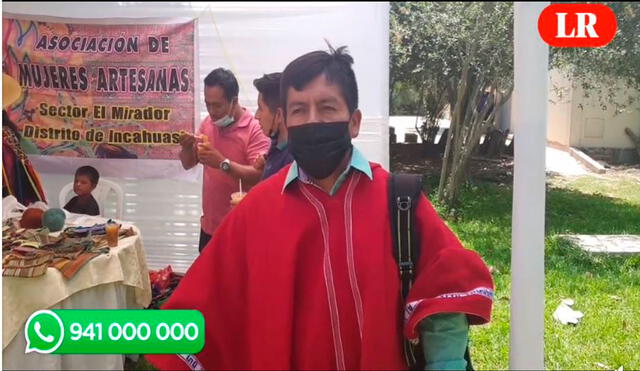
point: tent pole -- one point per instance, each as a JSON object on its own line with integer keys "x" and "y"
{"x": 529, "y": 116}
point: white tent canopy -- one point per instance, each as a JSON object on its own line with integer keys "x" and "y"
{"x": 251, "y": 39}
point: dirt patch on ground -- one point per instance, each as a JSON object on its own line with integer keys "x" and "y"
{"x": 408, "y": 158}
{"x": 625, "y": 171}
{"x": 613, "y": 174}
{"x": 416, "y": 159}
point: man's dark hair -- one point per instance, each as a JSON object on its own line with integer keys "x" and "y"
{"x": 225, "y": 80}
{"x": 269, "y": 87}
{"x": 336, "y": 67}
{"x": 90, "y": 172}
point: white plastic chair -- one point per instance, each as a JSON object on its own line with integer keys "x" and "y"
{"x": 100, "y": 194}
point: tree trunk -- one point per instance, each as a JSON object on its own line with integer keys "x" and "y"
{"x": 462, "y": 154}
{"x": 468, "y": 123}
{"x": 444, "y": 172}
{"x": 634, "y": 138}
{"x": 454, "y": 128}
{"x": 457, "y": 179}
{"x": 475, "y": 124}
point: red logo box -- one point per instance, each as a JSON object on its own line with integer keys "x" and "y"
{"x": 577, "y": 25}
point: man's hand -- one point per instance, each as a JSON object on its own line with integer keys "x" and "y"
{"x": 259, "y": 163}
{"x": 187, "y": 140}
{"x": 188, "y": 155}
{"x": 209, "y": 155}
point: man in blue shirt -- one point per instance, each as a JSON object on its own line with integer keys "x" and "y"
{"x": 272, "y": 123}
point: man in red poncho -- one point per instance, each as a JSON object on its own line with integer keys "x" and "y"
{"x": 301, "y": 275}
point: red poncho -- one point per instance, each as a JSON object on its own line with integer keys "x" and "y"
{"x": 298, "y": 279}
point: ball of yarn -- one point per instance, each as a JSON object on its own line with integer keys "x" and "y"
{"x": 32, "y": 218}
{"x": 54, "y": 219}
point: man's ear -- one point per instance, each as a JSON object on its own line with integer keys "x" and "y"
{"x": 280, "y": 118}
{"x": 354, "y": 124}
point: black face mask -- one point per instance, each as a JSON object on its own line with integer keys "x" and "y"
{"x": 318, "y": 148}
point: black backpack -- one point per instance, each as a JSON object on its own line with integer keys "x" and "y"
{"x": 404, "y": 194}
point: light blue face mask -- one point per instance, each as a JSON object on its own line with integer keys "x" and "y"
{"x": 226, "y": 120}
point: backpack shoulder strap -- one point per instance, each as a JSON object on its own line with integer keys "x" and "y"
{"x": 404, "y": 193}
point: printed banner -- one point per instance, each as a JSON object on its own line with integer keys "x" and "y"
{"x": 102, "y": 90}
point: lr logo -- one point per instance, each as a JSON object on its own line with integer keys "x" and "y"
{"x": 577, "y": 25}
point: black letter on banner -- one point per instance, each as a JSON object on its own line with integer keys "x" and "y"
{"x": 154, "y": 44}
{"x": 165, "y": 44}
{"x": 42, "y": 44}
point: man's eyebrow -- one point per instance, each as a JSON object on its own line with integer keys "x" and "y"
{"x": 333, "y": 100}
{"x": 296, "y": 103}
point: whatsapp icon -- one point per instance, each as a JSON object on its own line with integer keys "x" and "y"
{"x": 44, "y": 332}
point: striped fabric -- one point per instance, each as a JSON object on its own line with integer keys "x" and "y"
{"x": 27, "y": 256}
{"x": 30, "y": 265}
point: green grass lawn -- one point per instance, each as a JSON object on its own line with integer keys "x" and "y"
{"x": 605, "y": 288}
